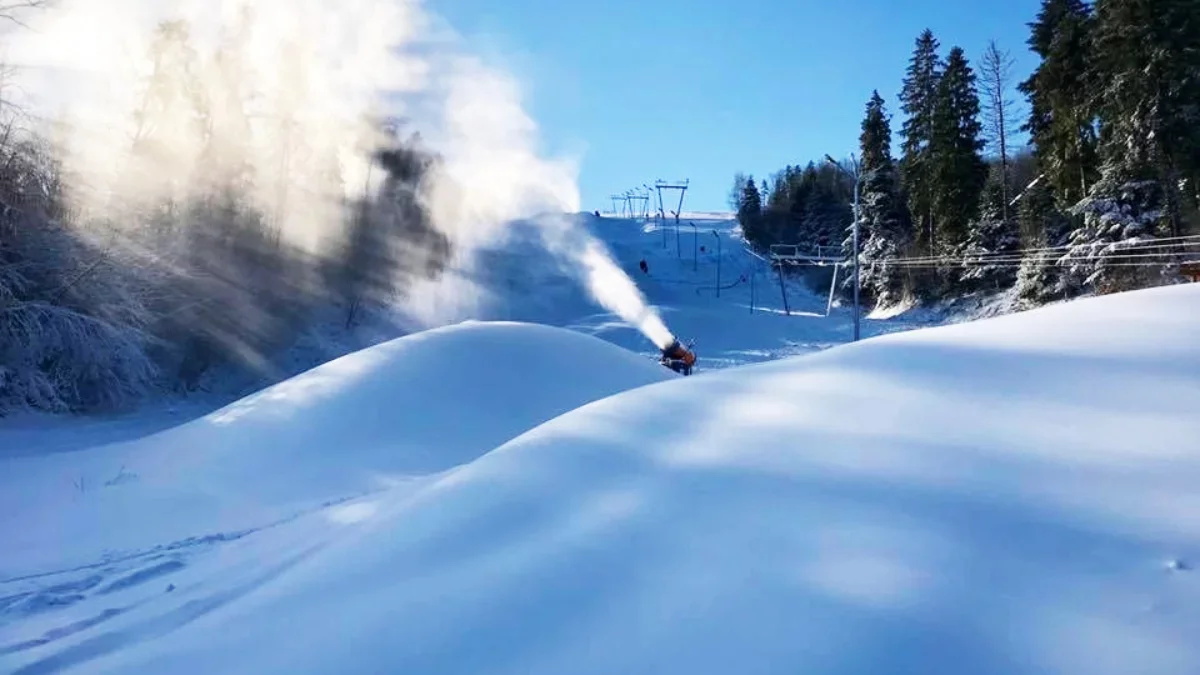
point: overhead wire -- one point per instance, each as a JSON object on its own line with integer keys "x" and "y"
{"x": 1166, "y": 250}
{"x": 1161, "y": 243}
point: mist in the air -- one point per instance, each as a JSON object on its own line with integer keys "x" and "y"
{"x": 155, "y": 104}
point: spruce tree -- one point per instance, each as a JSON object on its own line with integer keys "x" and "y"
{"x": 1145, "y": 58}
{"x": 1044, "y": 229}
{"x": 958, "y": 169}
{"x": 826, "y": 217}
{"x": 779, "y": 197}
{"x": 886, "y": 230}
{"x": 992, "y": 240}
{"x": 749, "y": 213}
{"x": 1061, "y": 98}
{"x": 918, "y": 98}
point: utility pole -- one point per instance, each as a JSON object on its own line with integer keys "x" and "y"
{"x": 714, "y": 233}
{"x": 753, "y": 273}
{"x": 695, "y": 246}
{"x": 856, "y": 176}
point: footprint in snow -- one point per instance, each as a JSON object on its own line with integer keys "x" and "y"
{"x": 142, "y": 576}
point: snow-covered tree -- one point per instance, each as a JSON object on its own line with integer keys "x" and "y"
{"x": 1145, "y": 60}
{"x": 993, "y": 242}
{"x": 886, "y": 230}
{"x": 749, "y": 212}
{"x": 918, "y": 99}
{"x": 1061, "y": 98}
{"x": 72, "y": 333}
{"x": 1124, "y": 213}
{"x": 959, "y": 171}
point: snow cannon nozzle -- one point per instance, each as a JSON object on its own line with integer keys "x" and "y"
{"x": 678, "y": 358}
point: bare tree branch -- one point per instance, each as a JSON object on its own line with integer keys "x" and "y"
{"x": 998, "y": 109}
{"x": 11, "y": 9}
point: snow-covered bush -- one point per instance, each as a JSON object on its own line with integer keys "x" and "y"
{"x": 1114, "y": 248}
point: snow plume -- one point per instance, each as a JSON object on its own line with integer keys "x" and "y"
{"x": 152, "y": 97}
{"x": 589, "y": 260}
{"x": 613, "y": 289}
{"x": 161, "y": 103}
{"x": 157, "y": 100}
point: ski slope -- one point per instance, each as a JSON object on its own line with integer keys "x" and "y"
{"x": 1015, "y": 495}
{"x": 417, "y": 405}
{"x": 522, "y": 283}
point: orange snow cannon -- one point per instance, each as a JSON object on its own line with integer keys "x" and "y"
{"x": 678, "y": 358}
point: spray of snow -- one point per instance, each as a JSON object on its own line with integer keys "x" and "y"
{"x": 293, "y": 91}
{"x": 613, "y": 289}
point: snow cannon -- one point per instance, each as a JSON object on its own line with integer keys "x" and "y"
{"x": 678, "y": 358}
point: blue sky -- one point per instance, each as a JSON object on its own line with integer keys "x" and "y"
{"x": 700, "y": 89}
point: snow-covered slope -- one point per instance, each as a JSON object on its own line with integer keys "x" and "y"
{"x": 523, "y": 283}
{"x": 1016, "y": 495}
{"x": 367, "y": 421}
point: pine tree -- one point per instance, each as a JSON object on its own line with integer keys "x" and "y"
{"x": 958, "y": 169}
{"x": 826, "y": 216}
{"x": 886, "y": 229}
{"x": 749, "y": 213}
{"x": 918, "y": 98}
{"x": 734, "y": 196}
{"x": 876, "y": 140}
{"x": 805, "y": 184}
{"x": 1146, "y": 59}
{"x": 992, "y": 241}
{"x": 778, "y": 199}
{"x": 1044, "y": 231}
{"x": 1061, "y": 98}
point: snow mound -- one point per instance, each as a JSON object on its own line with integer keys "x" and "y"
{"x": 417, "y": 405}
{"x": 1016, "y": 495}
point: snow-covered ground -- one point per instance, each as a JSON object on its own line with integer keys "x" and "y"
{"x": 521, "y": 282}
{"x": 1014, "y": 495}
{"x": 685, "y": 270}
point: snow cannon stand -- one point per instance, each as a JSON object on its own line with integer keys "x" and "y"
{"x": 679, "y": 358}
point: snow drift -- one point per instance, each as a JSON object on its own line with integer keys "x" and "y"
{"x": 1016, "y": 495}
{"x": 367, "y": 421}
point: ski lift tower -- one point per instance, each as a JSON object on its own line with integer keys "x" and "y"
{"x": 615, "y": 200}
{"x": 646, "y": 207}
{"x": 639, "y": 203}
{"x": 630, "y": 196}
{"x": 682, "y": 186}
{"x": 791, "y": 254}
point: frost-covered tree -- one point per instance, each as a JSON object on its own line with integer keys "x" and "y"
{"x": 993, "y": 242}
{"x": 749, "y": 212}
{"x": 918, "y": 99}
{"x": 391, "y": 237}
{"x": 886, "y": 228}
{"x": 958, "y": 169}
{"x": 1125, "y": 213}
{"x": 1045, "y": 231}
{"x": 1062, "y": 98}
{"x": 734, "y": 197}
{"x": 72, "y": 333}
{"x": 1144, "y": 57}
{"x": 180, "y": 271}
